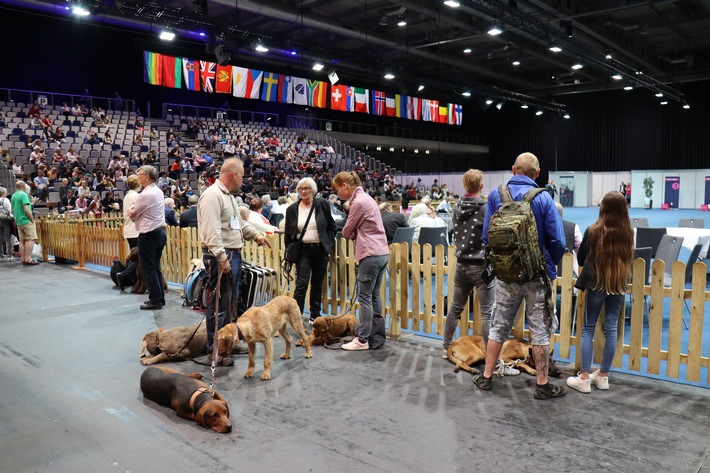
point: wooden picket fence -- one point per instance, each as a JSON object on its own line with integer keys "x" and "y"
{"x": 414, "y": 294}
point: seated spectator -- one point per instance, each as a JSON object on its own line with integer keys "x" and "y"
{"x": 186, "y": 165}
{"x": 256, "y": 219}
{"x": 83, "y": 190}
{"x": 175, "y": 169}
{"x": 59, "y": 136}
{"x": 424, "y": 216}
{"x": 153, "y": 133}
{"x": 108, "y": 139}
{"x": 444, "y": 207}
{"x": 67, "y": 202}
{"x": 138, "y": 159}
{"x": 66, "y": 110}
{"x": 188, "y": 218}
{"x": 91, "y": 137}
{"x": 57, "y": 157}
{"x": 138, "y": 139}
{"x": 170, "y": 218}
{"x": 81, "y": 203}
{"x": 41, "y": 185}
{"x": 47, "y": 127}
{"x": 391, "y": 220}
{"x": 76, "y": 110}
{"x": 95, "y": 209}
{"x": 64, "y": 187}
{"x": 35, "y": 110}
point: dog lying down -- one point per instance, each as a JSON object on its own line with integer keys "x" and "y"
{"x": 326, "y": 328}
{"x": 466, "y": 351}
{"x": 261, "y": 324}
{"x": 186, "y": 395}
{"x": 174, "y": 344}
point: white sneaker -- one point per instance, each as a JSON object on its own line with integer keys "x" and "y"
{"x": 581, "y": 385}
{"x": 356, "y": 344}
{"x": 443, "y": 353}
{"x": 601, "y": 382}
{"x": 505, "y": 369}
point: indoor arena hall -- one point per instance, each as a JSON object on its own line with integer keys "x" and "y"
{"x": 69, "y": 362}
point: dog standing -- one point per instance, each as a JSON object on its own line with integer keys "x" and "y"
{"x": 174, "y": 344}
{"x": 260, "y": 325}
{"x": 186, "y": 395}
{"x": 466, "y": 351}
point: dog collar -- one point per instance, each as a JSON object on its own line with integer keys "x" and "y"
{"x": 194, "y": 397}
{"x": 239, "y": 333}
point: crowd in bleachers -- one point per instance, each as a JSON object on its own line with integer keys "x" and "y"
{"x": 77, "y": 158}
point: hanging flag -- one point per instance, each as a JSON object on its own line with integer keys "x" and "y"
{"x": 443, "y": 114}
{"x": 207, "y": 73}
{"x": 390, "y": 107}
{"x": 300, "y": 91}
{"x": 426, "y": 110}
{"x": 270, "y": 89}
{"x": 172, "y": 71}
{"x": 191, "y": 73}
{"x": 362, "y": 100}
{"x": 317, "y": 93}
{"x": 247, "y": 82}
{"x": 285, "y": 89}
{"x": 458, "y": 113}
{"x": 400, "y": 103}
{"x": 434, "y": 110}
{"x": 152, "y": 70}
{"x": 378, "y": 102}
{"x": 254, "y": 83}
{"x": 414, "y": 108}
{"x": 223, "y": 80}
{"x": 341, "y": 98}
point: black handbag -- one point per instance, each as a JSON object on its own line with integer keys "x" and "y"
{"x": 291, "y": 253}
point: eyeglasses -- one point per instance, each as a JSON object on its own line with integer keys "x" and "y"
{"x": 304, "y": 189}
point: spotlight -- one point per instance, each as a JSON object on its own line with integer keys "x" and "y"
{"x": 555, "y": 49}
{"x": 628, "y": 87}
{"x": 293, "y": 53}
{"x": 538, "y": 113}
{"x": 566, "y": 116}
{"x": 607, "y": 56}
{"x": 617, "y": 77}
{"x": 686, "y": 106}
{"x": 167, "y": 35}
{"x": 576, "y": 66}
{"x": 489, "y": 101}
{"x": 259, "y": 47}
{"x": 495, "y": 31}
{"x": 499, "y": 105}
{"x": 467, "y": 51}
{"x": 388, "y": 75}
{"x": 202, "y": 34}
{"x": 452, "y": 3}
{"x": 420, "y": 88}
{"x": 659, "y": 95}
{"x": 318, "y": 66}
{"x": 524, "y": 105}
{"x": 79, "y": 10}
{"x": 402, "y": 22}
{"x": 466, "y": 93}
{"x": 516, "y": 62}
{"x": 664, "y": 103}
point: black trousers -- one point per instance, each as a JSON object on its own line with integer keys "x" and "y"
{"x": 150, "y": 250}
{"x": 311, "y": 267}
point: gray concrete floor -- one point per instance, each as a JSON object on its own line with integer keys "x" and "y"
{"x": 69, "y": 384}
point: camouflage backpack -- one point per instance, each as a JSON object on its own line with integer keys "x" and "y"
{"x": 513, "y": 244}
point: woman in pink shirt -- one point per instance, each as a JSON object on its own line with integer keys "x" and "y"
{"x": 364, "y": 226}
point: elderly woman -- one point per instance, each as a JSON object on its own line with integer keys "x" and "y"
{"x": 6, "y": 220}
{"x": 310, "y": 222}
{"x": 130, "y": 233}
{"x": 424, "y": 216}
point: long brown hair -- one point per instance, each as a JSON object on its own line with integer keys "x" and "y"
{"x": 611, "y": 240}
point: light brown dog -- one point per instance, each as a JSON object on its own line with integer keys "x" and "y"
{"x": 174, "y": 344}
{"x": 261, "y": 324}
{"x": 466, "y": 351}
{"x": 325, "y": 328}
{"x": 186, "y": 395}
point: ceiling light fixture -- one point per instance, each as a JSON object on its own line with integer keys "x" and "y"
{"x": 659, "y": 95}
{"x": 466, "y": 93}
{"x": 686, "y": 106}
{"x": 78, "y": 10}
{"x": 538, "y": 113}
{"x": 628, "y": 87}
{"x": 516, "y": 62}
{"x": 555, "y": 49}
{"x": 489, "y": 101}
{"x": 566, "y": 116}
{"x": 617, "y": 77}
{"x": 167, "y": 35}
{"x": 664, "y": 102}
{"x": 388, "y": 75}
{"x": 467, "y": 50}
{"x": 402, "y": 22}
{"x": 259, "y": 47}
{"x": 452, "y": 3}
{"x": 495, "y": 31}
{"x": 576, "y": 66}
{"x": 318, "y": 66}
{"x": 420, "y": 88}
{"x": 524, "y": 105}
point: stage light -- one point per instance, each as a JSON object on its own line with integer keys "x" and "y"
{"x": 495, "y": 30}
{"x": 78, "y": 10}
{"x": 318, "y": 66}
{"x": 420, "y": 88}
{"x": 167, "y": 35}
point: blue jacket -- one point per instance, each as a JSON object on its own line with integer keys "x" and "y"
{"x": 549, "y": 224}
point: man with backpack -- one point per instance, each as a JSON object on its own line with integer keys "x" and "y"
{"x": 526, "y": 241}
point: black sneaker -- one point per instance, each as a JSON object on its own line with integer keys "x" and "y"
{"x": 482, "y": 382}
{"x": 549, "y": 391}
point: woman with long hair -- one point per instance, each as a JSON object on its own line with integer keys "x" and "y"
{"x": 364, "y": 226}
{"x": 310, "y": 217}
{"x": 606, "y": 253}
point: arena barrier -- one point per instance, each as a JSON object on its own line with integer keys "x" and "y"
{"x": 413, "y": 294}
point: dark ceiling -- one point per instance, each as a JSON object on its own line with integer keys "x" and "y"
{"x": 657, "y": 45}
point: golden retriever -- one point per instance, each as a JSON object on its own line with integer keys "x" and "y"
{"x": 261, "y": 324}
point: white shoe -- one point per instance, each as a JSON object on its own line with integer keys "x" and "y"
{"x": 581, "y": 385}
{"x": 505, "y": 369}
{"x": 356, "y": 344}
{"x": 601, "y": 382}
{"x": 443, "y": 353}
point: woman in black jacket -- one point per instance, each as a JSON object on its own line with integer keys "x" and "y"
{"x": 315, "y": 247}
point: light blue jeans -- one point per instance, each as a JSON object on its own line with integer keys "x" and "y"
{"x": 593, "y": 307}
{"x": 369, "y": 279}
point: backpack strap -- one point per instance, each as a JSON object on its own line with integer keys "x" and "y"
{"x": 532, "y": 193}
{"x": 504, "y": 194}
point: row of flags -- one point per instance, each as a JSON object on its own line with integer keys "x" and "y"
{"x": 242, "y": 82}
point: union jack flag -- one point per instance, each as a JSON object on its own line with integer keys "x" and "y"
{"x": 207, "y": 73}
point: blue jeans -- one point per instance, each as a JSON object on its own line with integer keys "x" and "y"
{"x": 466, "y": 277}
{"x": 150, "y": 250}
{"x": 311, "y": 267}
{"x": 212, "y": 267}
{"x": 593, "y": 306}
{"x": 369, "y": 278}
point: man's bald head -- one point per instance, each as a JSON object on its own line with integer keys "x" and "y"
{"x": 527, "y": 165}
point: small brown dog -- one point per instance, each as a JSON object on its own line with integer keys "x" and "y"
{"x": 466, "y": 351}
{"x": 174, "y": 344}
{"x": 261, "y": 324}
{"x": 139, "y": 286}
{"x": 325, "y": 328}
{"x": 186, "y": 395}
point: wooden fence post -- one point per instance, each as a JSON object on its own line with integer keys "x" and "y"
{"x": 80, "y": 243}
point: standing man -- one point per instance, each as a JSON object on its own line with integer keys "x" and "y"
{"x": 26, "y": 229}
{"x": 222, "y": 233}
{"x": 509, "y": 296}
{"x": 148, "y": 213}
{"x": 551, "y": 189}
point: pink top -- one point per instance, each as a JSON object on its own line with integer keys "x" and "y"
{"x": 149, "y": 209}
{"x": 364, "y": 225}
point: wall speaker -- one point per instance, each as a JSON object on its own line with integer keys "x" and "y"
{"x": 223, "y": 56}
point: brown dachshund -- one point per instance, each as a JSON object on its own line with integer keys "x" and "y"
{"x": 186, "y": 395}
{"x": 466, "y": 351}
{"x": 326, "y": 328}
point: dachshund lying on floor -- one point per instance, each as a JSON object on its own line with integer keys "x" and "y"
{"x": 466, "y": 351}
{"x": 186, "y": 395}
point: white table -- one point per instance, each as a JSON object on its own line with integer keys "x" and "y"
{"x": 692, "y": 237}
